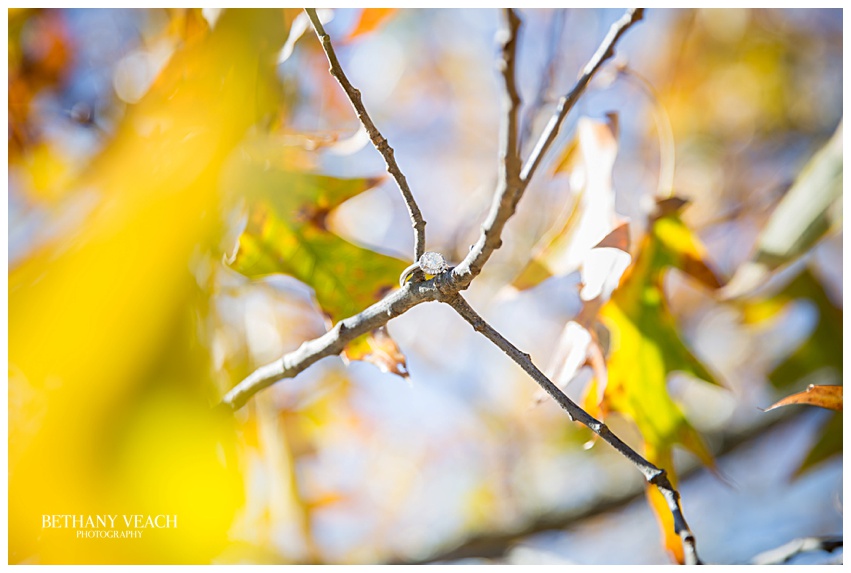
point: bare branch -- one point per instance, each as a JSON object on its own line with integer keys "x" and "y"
{"x": 656, "y": 476}
{"x": 332, "y": 342}
{"x": 566, "y": 103}
{"x": 510, "y": 160}
{"x": 378, "y": 140}
{"x": 445, "y": 287}
{"x": 511, "y": 185}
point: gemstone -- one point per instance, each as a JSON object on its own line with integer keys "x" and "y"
{"x": 433, "y": 263}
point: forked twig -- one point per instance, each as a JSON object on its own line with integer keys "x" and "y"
{"x": 507, "y": 194}
{"x": 446, "y": 287}
{"x": 510, "y": 189}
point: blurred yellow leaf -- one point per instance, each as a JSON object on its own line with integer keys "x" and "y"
{"x": 109, "y": 400}
{"x": 590, "y": 216}
{"x": 187, "y": 24}
{"x": 51, "y": 172}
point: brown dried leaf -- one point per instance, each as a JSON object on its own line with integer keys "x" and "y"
{"x": 379, "y": 348}
{"x": 829, "y": 397}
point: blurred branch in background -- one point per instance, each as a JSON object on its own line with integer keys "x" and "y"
{"x": 785, "y": 553}
{"x": 498, "y": 544}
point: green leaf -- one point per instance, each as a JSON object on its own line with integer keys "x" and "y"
{"x": 287, "y": 234}
{"x": 805, "y": 214}
{"x": 823, "y": 348}
{"x": 828, "y": 444}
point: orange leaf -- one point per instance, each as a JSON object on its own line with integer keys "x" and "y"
{"x": 672, "y": 542}
{"x": 829, "y": 397}
{"x": 370, "y": 20}
{"x": 380, "y": 349}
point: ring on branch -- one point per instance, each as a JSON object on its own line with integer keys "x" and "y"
{"x": 430, "y": 263}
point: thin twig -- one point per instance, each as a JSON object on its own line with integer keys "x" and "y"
{"x": 566, "y": 103}
{"x": 510, "y": 189}
{"x": 548, "y": 75}
{"x": 378, "y": 140}
{"x": 656, "y": 476}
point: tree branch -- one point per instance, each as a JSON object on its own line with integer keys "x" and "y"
{"x": 378, "y": 140}
{"x": 495, "y": 544}
{"x": 445, "y": 286}
{"x": 332, "y": 342}
{"x": 511, "y": 184}
{"x": 656, "y": 476}
{"x": 566, "y": 103}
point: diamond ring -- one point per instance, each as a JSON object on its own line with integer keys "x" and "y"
{"x": 430, "y": 263}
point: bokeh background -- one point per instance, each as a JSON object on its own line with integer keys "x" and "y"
{"x": 126, "y": 325}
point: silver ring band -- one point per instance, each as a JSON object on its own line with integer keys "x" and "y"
{"x": 403, "y": 278}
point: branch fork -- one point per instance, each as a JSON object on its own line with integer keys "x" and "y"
{"x": 514, "y": 177}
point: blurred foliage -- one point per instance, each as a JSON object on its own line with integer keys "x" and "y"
{"x": 39, "y": 59}
{"x": 819, "y": 357}
{"x": 108, "y": 390}
{"x": 822, "y": 349}
{"x": 588, "y": 160}
{"x": 732, "y": 73}
{"x": 807, "y": 212}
